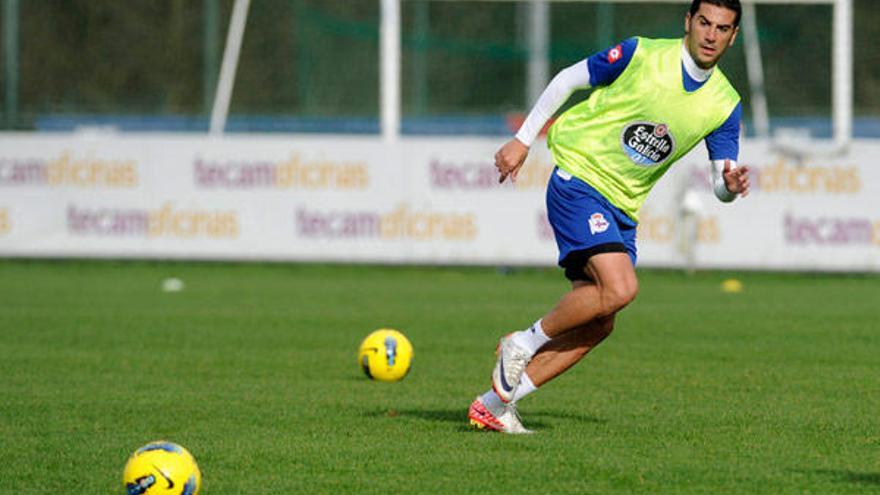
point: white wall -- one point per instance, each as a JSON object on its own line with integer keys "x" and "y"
{"x": 422, "y": 200}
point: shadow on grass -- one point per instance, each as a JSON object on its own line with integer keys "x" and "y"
{"x": 846, "y": 476}
{"x": 458, "y": 416}
{"x": 567, "y": 416}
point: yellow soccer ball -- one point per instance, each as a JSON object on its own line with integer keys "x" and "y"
{"x": 385, "y": 355}
{"x": 162, "y": 468}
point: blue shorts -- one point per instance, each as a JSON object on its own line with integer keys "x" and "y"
{"x": 585, "y": 224}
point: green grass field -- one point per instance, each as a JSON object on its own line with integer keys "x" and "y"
{"x": 253, "y": 368}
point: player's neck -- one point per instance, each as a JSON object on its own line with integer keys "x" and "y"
{"x": 691, "y": 67}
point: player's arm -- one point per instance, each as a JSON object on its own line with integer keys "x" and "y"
{"x": 512, "y": 155}
{"x": 599, "y": 69}
{"x": 728, "y": 179}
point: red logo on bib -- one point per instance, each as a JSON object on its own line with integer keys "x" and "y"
{"x": 614, "y": 54}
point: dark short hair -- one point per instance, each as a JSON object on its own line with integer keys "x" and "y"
{"x": 733, "y": 5}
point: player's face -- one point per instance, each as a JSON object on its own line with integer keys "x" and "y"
{"x": 710, "y": 31}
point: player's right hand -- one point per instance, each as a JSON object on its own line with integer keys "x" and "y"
{"x": 510, "y": 158}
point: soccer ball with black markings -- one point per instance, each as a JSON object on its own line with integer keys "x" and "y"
{"x": 162, "y": 468}
{"x": 385, "y": 355}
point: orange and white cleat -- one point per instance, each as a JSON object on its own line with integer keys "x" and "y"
{"x": 512, "y": 422}
{"x": 480, "y": 417}
{"x": 506, "y": 421}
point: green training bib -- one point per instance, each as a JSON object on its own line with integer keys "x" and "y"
{"x": 626, "y": 135}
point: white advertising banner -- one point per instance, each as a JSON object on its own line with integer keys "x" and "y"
{"x": 421, "y": 200}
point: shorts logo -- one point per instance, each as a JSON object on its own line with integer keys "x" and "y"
{"x": 614, "y": 54}
{"x": 598, "y": 224}
{"x": 647, "y": 144}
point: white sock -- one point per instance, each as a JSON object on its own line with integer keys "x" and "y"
{"x": 532, "y": 338}
{"x": 493, "y": 403}
{"x": 525, "y": 388}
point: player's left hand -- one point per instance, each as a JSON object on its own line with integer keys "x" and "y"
{"x": 736, "y": 179}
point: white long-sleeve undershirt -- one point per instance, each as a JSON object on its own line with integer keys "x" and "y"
{"x": 565, "y": 83}
{"x": 719, "y": 186}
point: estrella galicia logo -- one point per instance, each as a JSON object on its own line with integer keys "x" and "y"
{"x": 646, "y": 143}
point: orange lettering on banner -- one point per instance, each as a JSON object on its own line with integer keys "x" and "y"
{"x": 5, "y": 222}
{"x": 851, "y": 182}
{"x": 189, "y": 224}
{"x": 708, "y": 231}
{"x": 533, "y": 175}
{"x": 771, "y": 177}
{"x": 159, "y": 219}
{"x": 91, "y": 172}
{"x": 401, "y": 222}
{"x": 185, "y": 224}
{"x": 662, "y": 229}
{"x": 464, "y": 228}
{"x": 656, "y": 228}
{"x": 296, "y": 173}
{"x": 391, "y": 224}
{"x": 804, "y": 179}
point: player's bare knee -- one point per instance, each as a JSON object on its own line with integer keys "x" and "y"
{"x": 617, "y": 296}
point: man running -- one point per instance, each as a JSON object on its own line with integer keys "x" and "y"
{"x": 654, "y": 100}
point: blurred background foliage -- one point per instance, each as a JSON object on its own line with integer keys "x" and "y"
{"x": 320, "y": 58}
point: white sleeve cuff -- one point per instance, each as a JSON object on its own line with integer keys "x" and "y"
{"x": 574, "y": 77}
{"x": 721, "y": 191}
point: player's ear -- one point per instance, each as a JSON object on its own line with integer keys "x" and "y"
{"x": 733, "y": 38}
{"x": 687, "y": 23}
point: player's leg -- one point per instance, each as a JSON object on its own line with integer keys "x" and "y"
{"x": 615, "y": 285}
{"x": 596, "y": 243}
{"x": 565, "y": 351}
{"x": 488, "y": 411}
{"x": 560, "y": 354}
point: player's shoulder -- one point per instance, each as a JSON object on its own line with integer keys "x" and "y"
{"x": 621, "y": 51}
{"x": 726, "y": 84}
{"x": 605, "y": 66}
{"x": 651, "y": 47}
{"x": 655, "y": 42}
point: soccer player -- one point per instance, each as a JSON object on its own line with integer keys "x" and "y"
{"x": 654, "y": 100}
